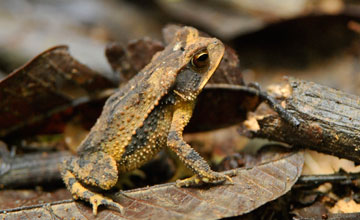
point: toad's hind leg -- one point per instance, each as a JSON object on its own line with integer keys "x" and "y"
{"x": 97, "y": 169}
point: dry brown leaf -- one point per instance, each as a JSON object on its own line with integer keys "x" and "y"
{"x": 47, "y": 84}
{"x": 128, "y": 61}
{"x": 252, "y": 188}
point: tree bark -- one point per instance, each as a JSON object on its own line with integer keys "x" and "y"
{"x": 329, "y": 120}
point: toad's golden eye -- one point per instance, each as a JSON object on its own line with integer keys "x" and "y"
{"x": 201, "y": 59}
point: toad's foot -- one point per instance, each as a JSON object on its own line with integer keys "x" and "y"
{"x": 80, "y": 192}
{"x": 213, "y": 178}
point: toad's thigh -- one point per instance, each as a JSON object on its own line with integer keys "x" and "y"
{"x": 97, "y": 169}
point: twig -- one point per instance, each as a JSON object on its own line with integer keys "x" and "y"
{"x": 330, "y": 120}
{"x": 264, "y": 96}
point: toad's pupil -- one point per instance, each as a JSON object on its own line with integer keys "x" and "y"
{"x": 200, "y": 60}
{"x": 202, "y": 57}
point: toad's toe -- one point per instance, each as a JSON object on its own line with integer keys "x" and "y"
{"x": 98, "y": 200}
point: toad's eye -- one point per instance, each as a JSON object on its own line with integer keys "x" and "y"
{"x": 200, "y": 59}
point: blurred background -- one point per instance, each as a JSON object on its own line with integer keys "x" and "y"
{"x": 317, "y": 40}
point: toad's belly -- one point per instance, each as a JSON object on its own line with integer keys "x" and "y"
{"x": 148, "y": 140}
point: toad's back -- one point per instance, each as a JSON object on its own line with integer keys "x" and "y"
{"x": 135, "y": 115}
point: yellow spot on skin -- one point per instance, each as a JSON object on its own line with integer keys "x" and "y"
{"x": 177, "y": 46}
{"x": 197, "y": 180}
{"x": 205, "y": 180}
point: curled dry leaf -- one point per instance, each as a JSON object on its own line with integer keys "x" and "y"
{"x": 252, "y": 188}
{"x": 47, "y": 84}
{"x": 219, "y": 107}
{"x": 128, "y": 61}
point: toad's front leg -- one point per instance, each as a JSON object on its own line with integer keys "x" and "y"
{"x": 192, "y": 159}
{"x": 96, "y": 169}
